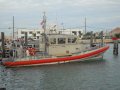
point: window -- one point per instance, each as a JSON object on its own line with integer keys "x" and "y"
{"x": 74, "y": 40}
{"x": 22, "y": 32}
{"x": 37, "y": 37}
{"x": 22, "y": 37}
{"x": 34, "y": 34}
{"x": 61, "y": 40}
{"x": 34, "y": 46}
{"x": 74, "y": 32}
{"x": 53, "y": 40}
{"x": 30, "y": 32}
{"x": 38, "y": 32}
{"x": 69, "y": 40}
{"x": 60, "y": 32}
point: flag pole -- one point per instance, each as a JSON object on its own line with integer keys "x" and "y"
{"x": 13, "y": 27}
{"x": 44, "y": 21}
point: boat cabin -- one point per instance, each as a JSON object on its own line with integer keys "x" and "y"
{"x": 60, "y": 44}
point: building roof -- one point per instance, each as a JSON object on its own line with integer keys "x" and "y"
{"x": 115, "y": 31}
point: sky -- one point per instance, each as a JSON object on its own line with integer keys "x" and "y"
{"x": 99, "y": 14}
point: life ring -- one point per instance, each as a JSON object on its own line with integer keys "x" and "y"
{"x": 32, "y": 51}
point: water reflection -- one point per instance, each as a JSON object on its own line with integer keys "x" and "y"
{"x": 89, "y": 75}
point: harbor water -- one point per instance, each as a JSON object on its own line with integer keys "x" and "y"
{"x": 88, "y": 75}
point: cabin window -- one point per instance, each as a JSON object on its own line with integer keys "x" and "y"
{"x": 61, "y": 40}
{"x": 34, "y": 46}
{"x": 72, "y": 40}
{"x": 69, "y": 40}
{"x": 53, "y": 40}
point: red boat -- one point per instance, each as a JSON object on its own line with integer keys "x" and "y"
{"x": 60, "y": 48}
{"x": 81, "y": 56}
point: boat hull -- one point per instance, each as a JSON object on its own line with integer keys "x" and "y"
{"x": 84, "y": 56}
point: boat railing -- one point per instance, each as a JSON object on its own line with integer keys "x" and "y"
{"x": 97, "y": 46}
{"x": 37, "y": 56}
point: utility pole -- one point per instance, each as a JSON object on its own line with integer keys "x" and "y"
{"x": 13, "y": 27}
{"x": 85, "y": 25}
{"x": 13, "y": 40}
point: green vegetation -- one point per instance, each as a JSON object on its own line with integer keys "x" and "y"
{"x": 87, "y": 35}
{"x": 117, "y": 35}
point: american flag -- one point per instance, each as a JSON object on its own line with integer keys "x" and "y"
{"x": 43, "y": 22}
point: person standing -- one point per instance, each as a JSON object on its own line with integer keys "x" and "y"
{"x": 27, "y": 53}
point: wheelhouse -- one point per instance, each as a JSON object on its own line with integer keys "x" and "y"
{"x": 62, "y": 39}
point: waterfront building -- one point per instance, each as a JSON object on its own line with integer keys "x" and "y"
{"x": 31, "y": 33}
{"x": 36, "y": 33}
{"x": 115, "y": 31}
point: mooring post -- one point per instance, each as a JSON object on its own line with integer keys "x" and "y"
{"x": 3, "y": 44}
{"x": 26, "y": 39}
{"x": 102, "y": 38}
{"x": 91, "y": 39}
{"x": 115, "y": 47}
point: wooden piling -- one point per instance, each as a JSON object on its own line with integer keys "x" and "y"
{"x": 3, "y": 44}
{"x": 115, "y": 47}
{"x": 101, "y": 38}
{"x": 26, "y": 39}
{"x": 91, "y": 39}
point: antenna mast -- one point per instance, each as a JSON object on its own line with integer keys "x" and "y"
{"x": 44, "y": 28}
{"x": 44, "y": 21}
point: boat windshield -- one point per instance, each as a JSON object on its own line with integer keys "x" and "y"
{"x": 61, "y": 40}
{"x": 52, "y": 40}
{"x": 72, "y": 40}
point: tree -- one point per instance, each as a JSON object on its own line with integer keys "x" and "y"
{"x": 80, "y": 33}
{"x": 117, "y": 35}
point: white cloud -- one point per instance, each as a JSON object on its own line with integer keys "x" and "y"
{"x": 50, "y": 5}
{"x": 29, "y": 12}
{"x": 6, "y": 5}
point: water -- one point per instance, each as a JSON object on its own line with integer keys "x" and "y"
{"x": 88, "y": 75}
